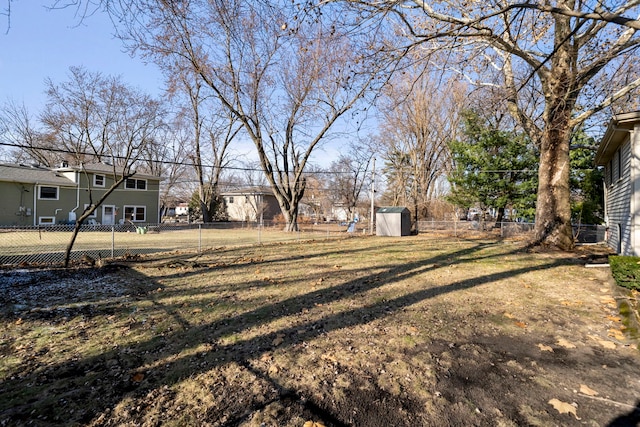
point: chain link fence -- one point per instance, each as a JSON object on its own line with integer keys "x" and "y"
{"x": 582, "y": 233}
{"x": 46, "y": 245}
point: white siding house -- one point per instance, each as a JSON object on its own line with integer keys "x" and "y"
{"x": 619, "y": 153}
{"x": 251, "y": 204}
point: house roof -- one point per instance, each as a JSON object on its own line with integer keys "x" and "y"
{"x": 261, "y": 190}
{"x": 103, "y": 168}
{"x": 615, "y": 135}
{"x": 32, "y": 175}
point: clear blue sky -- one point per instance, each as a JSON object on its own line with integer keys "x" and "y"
{"x": 44, "y": 43}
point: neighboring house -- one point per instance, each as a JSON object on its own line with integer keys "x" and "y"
{"x": 619, "y": 153}
{"x": 251, "y": 204}
{"x": 36, "y": 195}
{"x": 182, "y": 209}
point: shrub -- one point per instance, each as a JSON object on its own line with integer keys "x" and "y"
{"x": 626, "y": 271}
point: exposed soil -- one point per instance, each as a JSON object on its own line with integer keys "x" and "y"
{"x": 360, "y": 332}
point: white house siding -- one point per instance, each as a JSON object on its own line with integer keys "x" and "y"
{"x": 619, "y": 201}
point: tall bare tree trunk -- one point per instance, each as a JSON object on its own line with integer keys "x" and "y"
{"x": 291, "y": 219}
{"x": 553, "y": 208}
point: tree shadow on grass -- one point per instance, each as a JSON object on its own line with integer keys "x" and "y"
{"x": 60, "y": 392}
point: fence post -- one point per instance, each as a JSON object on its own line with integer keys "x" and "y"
{"x": 259, "y": 233}
{"x": 199, "y": 238}
{"x": 113, "y": 241}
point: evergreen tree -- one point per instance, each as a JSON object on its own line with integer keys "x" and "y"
{"x": 493, "y": 168}
{"x": 586, "y": 182}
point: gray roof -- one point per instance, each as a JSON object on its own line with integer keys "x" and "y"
{"x": 616, "y": 133}
{"x": 260, "y": 190}
{"x": 103, "y": 168}
{"x": 32, "y": 175}
{"x": 392, "y": 209}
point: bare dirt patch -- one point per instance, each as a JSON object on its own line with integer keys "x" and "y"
{"x": 358, "y": 332}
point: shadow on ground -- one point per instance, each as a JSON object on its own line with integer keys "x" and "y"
{"x": 482, "y": 378}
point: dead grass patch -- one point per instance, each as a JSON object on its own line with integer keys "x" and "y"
{"x": 360, "y": 331}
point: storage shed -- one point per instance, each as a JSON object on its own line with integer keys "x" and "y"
{"x": 393, "y": 221}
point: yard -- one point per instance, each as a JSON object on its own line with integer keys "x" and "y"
{"x": 361, "y": 331}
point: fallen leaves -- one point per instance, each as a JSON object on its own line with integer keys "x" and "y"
{"x": 564, "y": 343}
{"x": 273, "y": 370}
{"x": 604, "y": 343}
{"x": 329, "y": 358}
{"x": 616, "y": 333}
{"x": 543, "y": 347}
{"x": 313, "y": 424}
{"x": 279, "y": 339}
{"x": 516, "y": 322}
{"x": 609, "y": 301}
{"x": 576, "y": 303}
{"x": 584, "y": 389}
{"x": 564, "y": 407}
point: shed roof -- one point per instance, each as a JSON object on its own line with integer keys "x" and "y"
{"x": 392, "y": 209}
{"x": 32, "y": 175}
{"x": 616, "y": 133}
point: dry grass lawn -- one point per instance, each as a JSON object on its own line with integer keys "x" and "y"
{"x": 364, "y": 331}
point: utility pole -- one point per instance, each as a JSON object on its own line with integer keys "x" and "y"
{"x": 373, "y": 195}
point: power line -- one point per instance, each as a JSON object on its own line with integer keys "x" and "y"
{"x": 165, "y": 162}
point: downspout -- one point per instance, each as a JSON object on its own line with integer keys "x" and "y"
{"x": 159, "y": 218}
{"x": 35, "y": 203}
{"x": 77, "y": 193}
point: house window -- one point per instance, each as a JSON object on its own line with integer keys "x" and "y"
{"x": 615, "y": 163}
{"x": 47, "y": 220}
{"x": 135, "y": 213}
{"x": 135, "y": 184}
{"x": 47, "y": 193}
{"x": 86, "y": 208}
{"x": 230, "y": 199}
{"x": 98, "y": 180}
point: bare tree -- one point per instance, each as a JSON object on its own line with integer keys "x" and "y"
{"x": 26, "y": 141}
{"x": 211, "y": 130}
{"x": 349, "y": 175}
{"x": 553, "y": 61}
{"x": 287, "y": 75}
{"x": 419, "y": 116}
{"x": 165, "y": 156}
{"x": 93, "y": 118}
